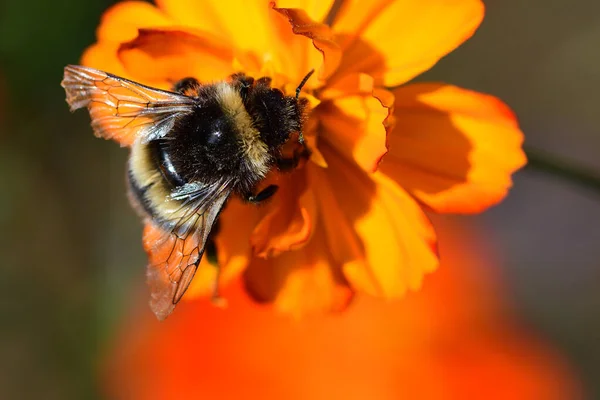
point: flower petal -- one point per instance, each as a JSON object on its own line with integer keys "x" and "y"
{"x": 236, "y": 224}
{"x": 396, "y": 40}
{"x": 398, "y": 240}
{"x": 322, "y": 39}
{"x": 290, "y": 219}
{"x": 103, "y": 56}
{"x": 316, "y": 10}
{"x": 245, "y": 23}
{"x": 453, "y": 149}
{"x": 300, "y": 282}
{"x": 176, "y": 54}
{"x": 351, "y": 84}
{"x": 256, "y": 30}
{"x": 120, "y": 23}
{"x": 310, "y": 131}
{"x": 356, "y": 126}
{"x": 231, "y": 236}
{"x": 342, "y": 241}
{"x": 203, "y": 284}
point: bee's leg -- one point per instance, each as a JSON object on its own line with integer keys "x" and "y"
{"x": 187, "y": 86}
{"x": 216, "y": 298}
{"x": 242, "y": 83}
{"x": 263, "y": 195}
{"x": 264, "y": 81}
{"x": 290, "y": 163}
{"x": 210, "y": 252}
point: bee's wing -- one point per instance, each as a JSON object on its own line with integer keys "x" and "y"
{"x": 175, "y": 253}
{"x": 122, "y": 109}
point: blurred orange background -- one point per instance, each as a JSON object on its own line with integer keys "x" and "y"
{"x": 455, "y": 339}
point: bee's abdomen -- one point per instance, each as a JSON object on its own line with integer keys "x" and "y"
{"x": 137, "y": 195}
{"x": 151, "y": 180}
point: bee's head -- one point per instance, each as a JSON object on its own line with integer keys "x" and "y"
{"x": 275, "y": 115}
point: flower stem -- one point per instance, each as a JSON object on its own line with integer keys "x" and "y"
{"x": 549, "y": 164}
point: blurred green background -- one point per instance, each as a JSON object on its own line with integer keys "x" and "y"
{"x": 70, "y": 243}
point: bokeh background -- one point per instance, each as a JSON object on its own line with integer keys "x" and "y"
{"x": 70, "y": 244}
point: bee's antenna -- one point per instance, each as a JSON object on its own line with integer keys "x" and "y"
{"x": 298, "y": 89}
{"x": 301, "y": 85}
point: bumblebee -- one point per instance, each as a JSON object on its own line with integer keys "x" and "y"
{"x": 190, "y": 150}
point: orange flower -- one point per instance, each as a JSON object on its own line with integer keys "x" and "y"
{"x": 351, "y": 219}
{"x": 453, "y": 340}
